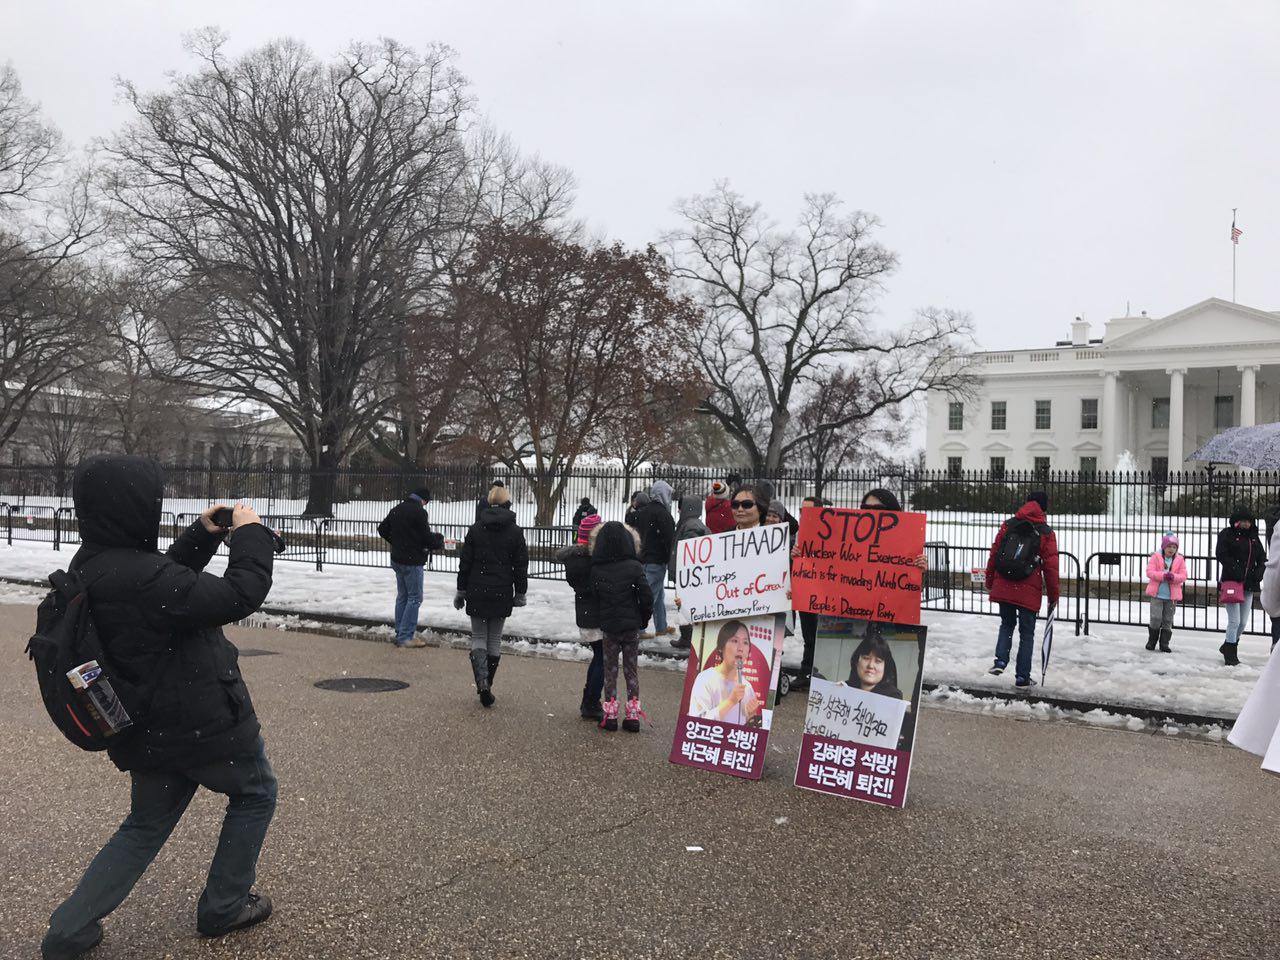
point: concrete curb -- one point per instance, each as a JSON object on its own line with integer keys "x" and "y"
{"x": 339, "y": 625}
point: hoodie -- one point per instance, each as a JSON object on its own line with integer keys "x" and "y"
{"x": 493, "y": 567}
{"x": 657, "y": 529}
{"x": 690, "y": 526}
{"x": 1028, "y": 593}
{"x": 1240, "y": 552}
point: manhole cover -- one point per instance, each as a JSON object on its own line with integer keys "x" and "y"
{"x": 258, "y": 653}
{"x": 361, "y": 684}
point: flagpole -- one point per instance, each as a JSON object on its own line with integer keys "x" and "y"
{"x": 1233, "y": 257}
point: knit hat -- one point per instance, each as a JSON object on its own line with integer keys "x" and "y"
{"x": 1169, "y": 538}
{"x": 777, "y": 508}
{"x": 719, "y": 489}
{"x": 1040, "y": 497}
{"x": 589, "y": 523}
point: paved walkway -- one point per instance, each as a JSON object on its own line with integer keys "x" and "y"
{"x": 413, "y": 824}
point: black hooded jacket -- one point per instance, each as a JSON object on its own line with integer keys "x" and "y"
{"x": 409, "y": 533}
{"x": 1241, "y": 553}
{"x": 622, "y": 596}
{"x": 161, "y": 618}
{"x": 494, "y": 567}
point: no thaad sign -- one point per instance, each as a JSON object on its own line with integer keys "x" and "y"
{"x": 742, "y": 573}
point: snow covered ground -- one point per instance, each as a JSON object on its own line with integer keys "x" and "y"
{"x": 1109, "y": 666}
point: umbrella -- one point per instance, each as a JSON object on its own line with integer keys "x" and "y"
{"x": 1046, "y": 644}
{"x": 1256, "y": 447}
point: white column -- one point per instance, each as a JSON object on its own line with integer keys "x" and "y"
{"x": 1248, "y": 394}
{"x": 1110, "y": 419}
{"x": 1175, "y": 417}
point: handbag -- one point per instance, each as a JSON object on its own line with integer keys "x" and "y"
{"x": 1232, "y": 591}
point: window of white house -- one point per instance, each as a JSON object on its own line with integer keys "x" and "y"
{"x": 955, "y": 415}
{"x": 1160, "y": 467}
{"x": 999, "y": 414}
{"x": 954, "y": 466}
{"x": 1041, "y": 465}
{"x": 1159, "y": 413}
{"x": 1044, "y": 414}
{"x": 1224, "y": 412}
{"x": 1088, "y": 465}
{"x": 1089, "y": 413}
{"x": 997, "y": 467}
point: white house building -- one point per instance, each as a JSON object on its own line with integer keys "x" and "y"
{"x": 1157, "y": 387}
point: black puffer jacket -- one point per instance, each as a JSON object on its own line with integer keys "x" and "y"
{"x": 577, "y": 571}
{"x": 1241, "y": 554}
{"x": 407, "y": 529}
{"x": 619, "y": 588}
{"x": 161, "y": 618}
{"x": 657, "y": 532}
{"x": 495, "y": 564}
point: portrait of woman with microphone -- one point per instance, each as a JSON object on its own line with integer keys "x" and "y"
{"x": 721, "y": 692}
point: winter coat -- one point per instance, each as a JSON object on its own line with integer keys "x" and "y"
{"x": 1027, "y": 593}
{"x": 585, "y": 509}
{"x": 638, "y": 502}
{"x": 1270, "y": 598}
{"x": 622, "y": 595}
{"x": 408, "y": 530}
{"x": 657, "y": 529}
{"x": 719, "y": 514}
{"x": 690, "y": 526}
{"x": 577, "y": 571}
{"x": 1240, "y": 555}
{"x": 160, "y": 618}
{"x": 1156, "y": 570}
{"x": 494, "y": 566}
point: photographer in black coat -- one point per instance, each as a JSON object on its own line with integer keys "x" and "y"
{"x": 160, "y": 618}
{"x": 407, "y": 529}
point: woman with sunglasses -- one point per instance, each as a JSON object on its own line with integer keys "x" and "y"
{"x": 749, "y": 506}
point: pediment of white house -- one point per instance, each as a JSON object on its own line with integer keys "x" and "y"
{"x": 997, "y": 446}
{"x": 1046, "y": 446}
{"x": 954, "y": 446}
{"x": 1087, "y": 447}
{"x": 1210, "y": 323}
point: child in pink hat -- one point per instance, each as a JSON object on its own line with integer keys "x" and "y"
{"x": 1166, "y": 572}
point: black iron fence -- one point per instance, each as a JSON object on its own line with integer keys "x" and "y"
{"x": 1113, "y": 520}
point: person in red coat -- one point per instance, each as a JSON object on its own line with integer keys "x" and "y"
{"x": 719, "y": 513}
{"x": 1019, "y": 600}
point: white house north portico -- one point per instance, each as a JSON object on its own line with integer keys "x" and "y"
{"x": 1157, "y": 387}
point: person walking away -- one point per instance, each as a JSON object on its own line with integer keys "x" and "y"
{"x": 719, "y": 513}
{"x": 408, "y": 531}
{"x": 1241, "y": 562}
{"x": 1021, "y": 567}
{"x": 689, "y": 527}
{"x": 622, "y": 595}
{"x": 1166, "y": 573}
{"x": 585, "y": 509}
{"x": 493, "y": 578}
{"x": 161, "y": 617}
{"x": 657, "y": 540}
{"x": 577, "y": 571}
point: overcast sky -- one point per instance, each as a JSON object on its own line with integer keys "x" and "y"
{"x": 1030, "y": 160}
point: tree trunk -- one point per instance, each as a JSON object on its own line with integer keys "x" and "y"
{"x": 322, "y": 483}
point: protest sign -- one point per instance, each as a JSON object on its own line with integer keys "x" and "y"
{"x": 729, "y": 690}
{"x": 859, "y": 564}
{"x": 742, "y": 573}
{"x": 860, "y": 720}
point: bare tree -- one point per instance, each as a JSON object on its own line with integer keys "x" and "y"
{"x": 291, "y": 206}
{"x": 564, "y": 321}
{"x": 67, "y": 427}
{"x": 47, "y": 303}
{"x": 784, "y": 308}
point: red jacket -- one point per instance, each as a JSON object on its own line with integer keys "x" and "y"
{"x": 1029, "y": 592}
{"x": 719, "y": 515}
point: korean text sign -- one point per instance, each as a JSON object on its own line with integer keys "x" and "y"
{"x": 860, "y": 720}
{"x": 742, "y": 573}
{"x": 859, "y": 564}
{"x": 729, "y": 691}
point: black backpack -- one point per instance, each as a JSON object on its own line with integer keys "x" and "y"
{"x": 98, "y": 708}
{"x": 1019, "y": 553}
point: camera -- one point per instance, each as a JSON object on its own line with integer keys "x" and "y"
{"x": 222, "y": 517}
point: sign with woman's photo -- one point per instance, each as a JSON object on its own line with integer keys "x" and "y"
{"x": 742, "y": 573}
{"x": 860, "y": 721}
{"x": 729, "y": 689}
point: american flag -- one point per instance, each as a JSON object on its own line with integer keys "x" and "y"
{"x": 1235, "y": 232}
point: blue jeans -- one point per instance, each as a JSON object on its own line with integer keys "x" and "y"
{"x": 1025, "y": 620}
{"x": 656, "y": 574}
{"x": 158, "y": 802}
{"x": 1238, "y": 616}
{"x": 408, "y": 599}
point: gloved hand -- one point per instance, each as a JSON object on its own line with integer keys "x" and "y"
{"x": 1168, "y": 576}
{"x": 459, "y": 600}
{"x": 519, "y": 600}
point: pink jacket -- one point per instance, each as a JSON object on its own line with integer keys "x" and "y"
{"x": 1156, "y": 571}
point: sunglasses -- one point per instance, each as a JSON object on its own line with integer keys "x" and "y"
{"x": 743, "y": 504}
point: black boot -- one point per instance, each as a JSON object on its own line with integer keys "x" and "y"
{"x": 1228, "y": 651}
{"x": 590, "y": 709}
{"x": 1152, "y": 636}
{"x": 493, "y": 667}
{"x": 480, "y": 668}
{"x": 1165, "y": 636}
